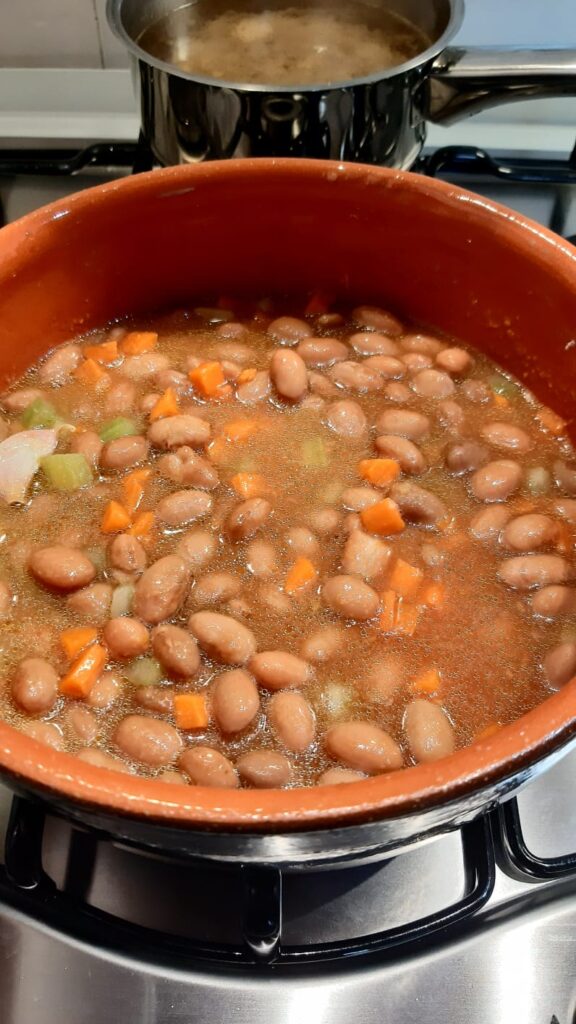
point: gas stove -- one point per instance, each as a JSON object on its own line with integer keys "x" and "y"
{"x": 477, "y": 926}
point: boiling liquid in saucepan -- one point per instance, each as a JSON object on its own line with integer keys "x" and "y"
{"x": 283, "y": 45}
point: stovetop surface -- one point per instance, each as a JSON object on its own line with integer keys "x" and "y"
{"x": 511, "y": 961}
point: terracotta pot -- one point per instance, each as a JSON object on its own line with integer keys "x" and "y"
{"x": 431, "y": 252}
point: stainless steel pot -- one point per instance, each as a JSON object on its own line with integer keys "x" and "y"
{"x": 380, "y": 119}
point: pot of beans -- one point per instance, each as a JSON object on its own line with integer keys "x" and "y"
{"x": 287, "y": 507}
{"x": 353, "y": 81}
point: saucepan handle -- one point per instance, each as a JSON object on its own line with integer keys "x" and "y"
{"x": 463, "y": 81}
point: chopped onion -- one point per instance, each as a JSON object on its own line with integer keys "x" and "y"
{"x": 122, "y": 601}
{"x": 20, "y": 456}
{"x": 538, "y": 480}
{"x": 336, "y": 699}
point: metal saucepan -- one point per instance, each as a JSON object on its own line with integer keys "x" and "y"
{"x": 380, "y": 119}
{"x": 427, "y": 250}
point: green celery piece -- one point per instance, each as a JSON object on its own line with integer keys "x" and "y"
{"x": 144, "y": 672}
{"x": 314, "y": 454}
{"x": 66, "y": 472}
{"x": 500, "y": 385}
{"x": 119, "y": 427}
{"x": 40, "y": 414}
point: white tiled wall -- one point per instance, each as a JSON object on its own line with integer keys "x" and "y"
{"x": 74, "y": 33}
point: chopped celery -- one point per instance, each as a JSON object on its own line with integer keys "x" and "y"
{"x": 144, "y": 672}
{"x": 122, "y": 600}
{"x": 214, "y": 316}
{"x": 119, "y": 427}
{"x": 66, "y": 472}
{"x": 314, "y": 454}
{"x": 501, "y": 385}
{"x": 40, "y": 414}
{"x": 538, "y": 480}
{"x": 336, "y": 699}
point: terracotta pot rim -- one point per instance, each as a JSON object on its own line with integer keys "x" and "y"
{"x": 541, "y": 731}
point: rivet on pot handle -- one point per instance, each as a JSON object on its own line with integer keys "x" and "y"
{"x": 464, "y": 81}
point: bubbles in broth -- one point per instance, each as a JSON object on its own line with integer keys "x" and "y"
{"x": 283, "y": 45}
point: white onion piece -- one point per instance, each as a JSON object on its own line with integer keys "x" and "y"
{"x": 20, "y": 456}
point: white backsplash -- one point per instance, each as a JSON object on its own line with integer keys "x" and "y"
{"x": 74, "y": 33}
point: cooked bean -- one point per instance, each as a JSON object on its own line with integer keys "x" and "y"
{"x": 429, "y": 732}
{"x": 363, "y": 746}
{"x": 288, "y": 374}
{"x": 452, "y": 416}
{"x": 161, "y": 589}
{"x": 60, "y": 365}
{"x": 422, "y": 343}
{"x": 288, "y": 330}
{"x": 387, "y": 366}
{"x": 358, "y": 498}
{"x": 19, "y": 400}
{"x": 35, "y": 686}
{"x": 88, "y": 444}
{"x": 171, "y": 777}
{"x": 405, "y": 423}
{"x": 370, "y": 343}
{"x": 92, "y": 603}
{"x": 433, "y": 384}
{"x": 183, "y": 507}
{"x": 123, "y": 453}
{"x": 406, "y": 453}
{"x": 255, "y": 390}
{"x": 351, "y": 523}
{"x": 553, "y": 602}
{"x": 432, "y": 555}
{"x": 416, "y": 361}
{"x": 44, "y": 732}
{"x": 301, "y": 541}
{"x": 176, "y": 431}
{"x": 235, "y": 700}
{"x": 560, "y": 665}
{"x": 496, "y": 481}
{"x": 418, "y": 505}
{"x": 489, "y": 522}
{"x": 323, "y": 645}
{"x": 455, "y": 360}
{"x": 247, "y": 518}
{"x": 185, "y": 466}
{"x": 214, "y": 588}
{"x": 197, "y": 549}
{"x": 279, "y": 670}
{"x": 507, "y": 436}
{"x": 529, "y": 571}
{"x": 147, "y": 740}
{"x": 81, "y": 723}
{"x": 320, "y": 385}
{"x": 292, "y": 720}
{"x": 398, "y": 393}
{"x": 233, "y": 349}
{"x": 120, "y": 398}
{"x": 466, "y": 457}
{"x": 127, "y": 554}
{"x": 261, "y": 558}
{"x": 159, "y": 699}
{"x": 101, "y": 760}
{"x": 365, "y": 556}
{"x": 275, "y": 599}
{"x": 265, "y": 769}
{"x": 529, "y": 532}
{"x": 125, "y": 637}
{"x": 105, "y": 691}
{"x": 567, "y": 509}
{"x": 61, "y": 568}
{"x": 339, "y": 776}
{"x": 356, "y": 376}
{"x": 565, "y": 476}
{"x": 322, "y": 351}
{"x": 208, "y": 767}
{"x": 6, "y": 601}
{"x": 382, "y": 681}
{"x": 174, "y": 379}
{"x": 350, "y": 597}
{"x": 325, "y": 520}
{"x": 347, "y": 419}
{"x": 148, "y": 402}
{"x": 222, "y": 637}
{"x": 378, "y": 319}
{"x": 476, "y": 391}
{"x": 176, "y": 650}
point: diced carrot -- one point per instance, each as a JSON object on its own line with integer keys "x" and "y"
{"x": 300, "y": 575}
{"x": 249, "y": 485}
{"x": 407, "y": 616}
{"x": 379, "y": 472}
{"x": 115, "y": 519}
{"x": 106, "y": 352}
{"x": 388, "y": 614}
{"x": 427, "y": 682}
{"x": 133, "y": 488}
{"x": 208, "y": 378}
{"x": 137, "y": 342}
{"x": 76, "y": 639}
{"x": 317, "y": 304}
{"x": 501, "y": 401}
{"x": 82, "y": 675}
{"x": 434, "y": 596}
{"x": 488, "y": 731}
{"x": 551, "y": 421}
{"x": 245, "y": 376}
{"x": 384, "y": 518}
{"x": 216, "y": 450}
{"x": 167, "y": 405}
{"x": 405, "y": 578}
{"x": 89, "y": 372}
{"x": 191, "y": 711}
{"x": 142, "y": 525}
{"x": 240, "y": 430}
